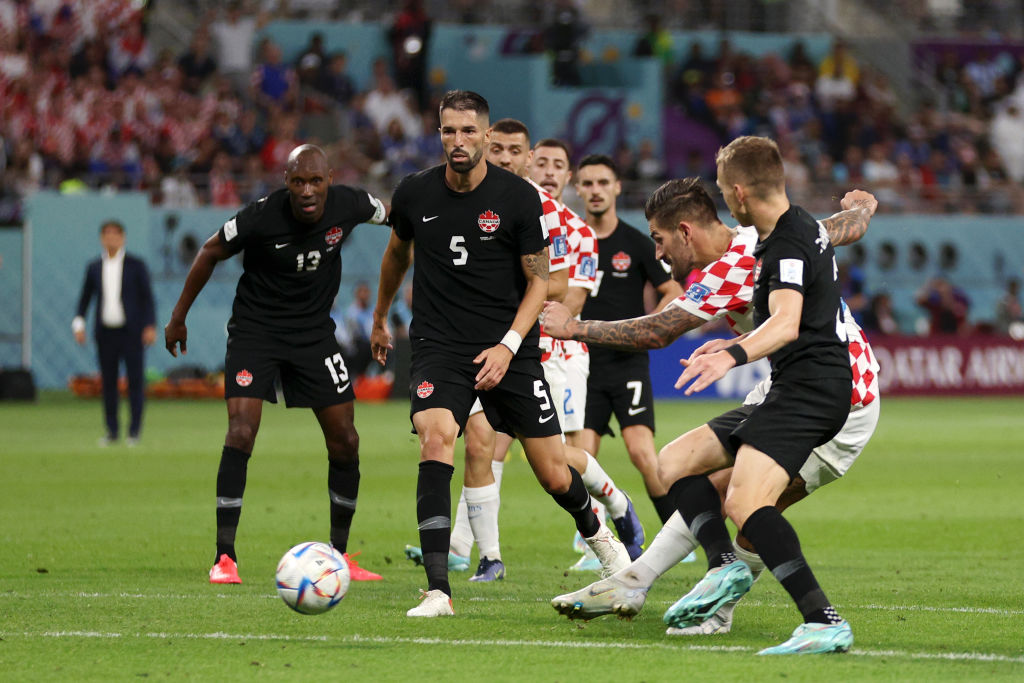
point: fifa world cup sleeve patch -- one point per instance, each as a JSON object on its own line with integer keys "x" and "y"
{"x": 379, "y": 212}
{"x": 231, "y": 230}
{"x": 791, "y": 271}
{"x": 560, "y": 245}
{"x": 697, "y": 292}
{"x": 588, "y": 266}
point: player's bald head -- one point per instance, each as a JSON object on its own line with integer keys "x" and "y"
{"x": 306, "y": 155}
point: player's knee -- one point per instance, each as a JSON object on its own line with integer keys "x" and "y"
{"x": 344, "y": 447}
{"x": 436, "y": 446}
{"x": 555, "y": 482}
{"x": 241, "y": 435}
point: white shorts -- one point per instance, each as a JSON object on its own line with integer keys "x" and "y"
{"x": 577, "y": 369}
{"x": 832, "y": 460}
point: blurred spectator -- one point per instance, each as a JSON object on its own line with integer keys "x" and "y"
{"x": 655, "y": 41}
{"x": 947, "y": 306}
{"x": 648, "y": 166}
{"x": 385, "y": 104}
{"x": 400, "y": 153}
{"x": 223, "y": 191}
{"x": 840, "y": 63}
{"x": 282, "y": 140}
{"x": 562, "y": 37}
{"x": 1008, "y": 308}
{"x": 254, "y": 180}
{"x": 274, "y": 83}
{"x": 176, "y": 190}
{"x": 409, "y": 36}
{"x": 335, "y": 81}
{"x": 359, "y": 325}
{"x": 130, "y": 51}
{"x": 1007, "y": 136}
{"x": 197, "y": 63}
{"x": 401, "y": 313}
{"x": 234, "y": 36}
{"x": 879, "y": 316}
{"x": 312, "y": 62}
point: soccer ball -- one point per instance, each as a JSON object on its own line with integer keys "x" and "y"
{"x": 312, "y": 577}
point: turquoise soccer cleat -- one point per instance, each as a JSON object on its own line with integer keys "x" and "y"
{"x": 814, "y": 639}
{"x": 719, "y": 586}
{"x": 456, "y": 563}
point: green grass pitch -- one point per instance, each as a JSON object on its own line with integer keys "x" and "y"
{"x": 104, "y": 554}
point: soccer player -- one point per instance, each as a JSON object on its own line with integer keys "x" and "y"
{"x": 620, "y": 381}
{"x": 798, "y": 325}
{"x": 480, "y": 281}
{"x": 685, "y": 227}
{"x": 281, "y": 328}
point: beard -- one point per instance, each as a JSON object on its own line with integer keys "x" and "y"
{"x": 468, "y": 164}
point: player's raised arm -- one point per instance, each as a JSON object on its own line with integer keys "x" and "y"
{"x": 212, "y": 252}
{"x": 654, "y": 331}
{"x": 393, "y": 266}
{"x": 850, "y": 224}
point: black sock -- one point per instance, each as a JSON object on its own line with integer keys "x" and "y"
{"x": 230, "y": 487}
{"x": 698, "y": 502}
{"x": 779, "y": 547}
{"x": 434, "y": 515}
{"x": 343, "y": 488}
{"x": 576, "y": 501}
{"x": 664, "y": 507}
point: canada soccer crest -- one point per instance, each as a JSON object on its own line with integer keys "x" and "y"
{"x": 621, "y": 261}
{"x": 333, "y": 235}
{"x": 425, "y": 389}
{"x": 243, "y": 378}
{"x": 488, "y": 221}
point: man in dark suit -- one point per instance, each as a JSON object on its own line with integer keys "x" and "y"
{"x": 125, "y": 324}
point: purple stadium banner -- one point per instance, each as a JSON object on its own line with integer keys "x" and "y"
{"x": 949, "y": 365}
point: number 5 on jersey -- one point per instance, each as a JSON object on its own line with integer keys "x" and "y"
{"x": 460, "y": 251}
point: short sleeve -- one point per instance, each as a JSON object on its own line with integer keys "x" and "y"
{"x": 789, "y": 263}
{"x": 399, "y": 218}
{"x": 237, "y": 230}
{"x": 723, "y": 286}
{"x": 531, "y": 230}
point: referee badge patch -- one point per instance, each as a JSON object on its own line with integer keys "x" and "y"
{"x": 697, "y": 292}
{"x": 243, "y": 378}
{"x": 425, "y": 389}
{"x": 488, "y": 221}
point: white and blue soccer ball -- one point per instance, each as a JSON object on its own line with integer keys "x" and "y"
{"x": 312, "y": 577}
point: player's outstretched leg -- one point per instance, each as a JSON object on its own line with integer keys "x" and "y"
{"x": 719, "y": 586}
{"x": 721, "y": 621}
{"x": 625, "y": 592}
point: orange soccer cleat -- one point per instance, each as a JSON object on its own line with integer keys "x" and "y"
{"x": 225, "y": 571}
{"x": 357, "y": 573}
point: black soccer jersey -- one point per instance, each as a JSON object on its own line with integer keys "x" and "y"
{"x": 468, "y": 278}
{"x": 292, "y": 269}
{"x": 626, "y": 262}
{"x": 798, "y": 255}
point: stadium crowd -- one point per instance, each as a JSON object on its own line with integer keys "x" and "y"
{"x": 88, "y": 102}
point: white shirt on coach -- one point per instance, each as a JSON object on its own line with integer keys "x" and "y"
{"x": 111, "y": 276}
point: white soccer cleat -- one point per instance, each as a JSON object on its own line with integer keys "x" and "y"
{"x": 609, "y": 550}
{"x": 435, "y": 603}
{"x": 607, "y": 596}
{"x": 718, "y": 623}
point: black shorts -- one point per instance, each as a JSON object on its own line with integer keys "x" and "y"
{"x": 520, "y": 405}
{"x": 312, "y": 375}
{"x": 623, "y": 389}
{"x": 795, "y": 417}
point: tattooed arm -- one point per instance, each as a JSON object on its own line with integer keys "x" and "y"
{"x": 654, "y": 331}
{"x": 849, "y": 225}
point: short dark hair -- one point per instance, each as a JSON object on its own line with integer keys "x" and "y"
{"x": 465, "y": 100}
{"x": 599, "y": 160}
{"x": 555, "y": 142}
{"x": 511, "y": 127}
{"x": 678, "y": 200}
{"x": 753, "y": 161}
{"x": 116, "y": 224}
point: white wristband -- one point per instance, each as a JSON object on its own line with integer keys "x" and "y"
{"x": 512, "y": 340}
{"x": 78, "y": 324}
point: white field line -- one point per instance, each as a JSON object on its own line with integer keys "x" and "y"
{"x": 589, "y": 645}
{"x": 273, "y": 596}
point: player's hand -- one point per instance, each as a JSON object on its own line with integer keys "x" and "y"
{"x": 148, "y": 335}
{"x": 859, "y": 199}
{"x": 704, "y": 371}
{"x": 495, "y": 362}
{"x": 174, "y": 334}
{"x": 380, "y": 343}
{"x": 710, "y": 347}
{"x": 556, "y": 320}
{"x": 80, "y": 337}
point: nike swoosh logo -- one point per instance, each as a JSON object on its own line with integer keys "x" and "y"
{"x": 542, "y": 420}
{"x": 281, "y": 246}
{"x": 343, "y": 387}
{"x": 427, "y": 220}
{"x": 636, "y": 411}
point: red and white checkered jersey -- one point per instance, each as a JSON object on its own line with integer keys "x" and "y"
{"x": 582, "y": 250}
{"x": 558, "y": 249}
{"x": 725, "y": 288}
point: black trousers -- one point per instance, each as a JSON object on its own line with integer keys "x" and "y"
{"x": 115, "y": 344}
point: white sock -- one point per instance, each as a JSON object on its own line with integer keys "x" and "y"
{"x": 483, "y": 503}
{"x": 602, "y": 488}
{"x": 461, "y": 542}
{"x": 497, "y": 469}
{"x": 669, "y": 547}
